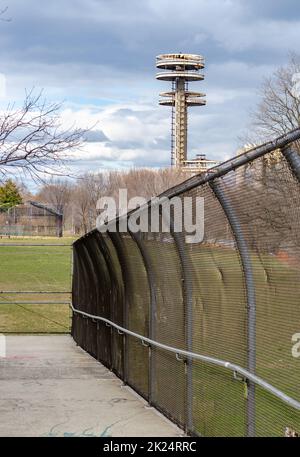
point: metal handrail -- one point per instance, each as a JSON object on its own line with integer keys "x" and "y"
{"x": 204, "y": 358}
{"x": 12, "y": 302}
{"x": 34, "y": 244}
{"x": 35, "y": 292}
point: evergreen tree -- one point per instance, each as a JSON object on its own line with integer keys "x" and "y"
{"x": 9, "y": 195}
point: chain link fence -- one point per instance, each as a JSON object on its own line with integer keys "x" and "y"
{"x": 31, "y": 219}
{"x": 206, "y": 331}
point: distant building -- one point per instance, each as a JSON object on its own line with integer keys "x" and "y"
{"x": 265, "y": 169}
{"x": 200, "y": 164}
{"x": 31, "y": 219}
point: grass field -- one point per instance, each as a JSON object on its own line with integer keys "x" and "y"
{"x": 35, "y": 269}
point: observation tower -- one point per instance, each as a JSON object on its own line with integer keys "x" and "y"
{"x": 180, "y": 69}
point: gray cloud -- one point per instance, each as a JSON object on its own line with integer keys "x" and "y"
{"x": 94, "y": 136}
{"x": 97, "y": 53}
{"x": 126, "y": 36}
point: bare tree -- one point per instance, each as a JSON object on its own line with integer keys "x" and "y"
{"x": 88, "y": 189}
{"x": 144, "y": 182}
{"x": 279, "y": 108}
{"x": 267, "y": 182}
{"x": 78, "y": 200}
{"x": 81, "y": 211}
{"x": 32, "y": 140}
{"x": 82, "y": 208}
{"x": 56, "y": 193}
{"x": 96, "y": 186}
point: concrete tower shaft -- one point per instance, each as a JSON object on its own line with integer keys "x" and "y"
{"x": 180, "y": 122}
{"x": 180, "y": 69}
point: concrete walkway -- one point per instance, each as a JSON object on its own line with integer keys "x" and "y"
{"x": 51, "y": 387}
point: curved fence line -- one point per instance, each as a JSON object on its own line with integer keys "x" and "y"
{"x": 234, "y": 296}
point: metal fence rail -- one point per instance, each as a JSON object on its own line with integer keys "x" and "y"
{"x": 205, "y": 331}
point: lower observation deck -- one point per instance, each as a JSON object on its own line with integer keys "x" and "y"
{"x": 191, "y": 98}
{"x": 186, "y": 75}
{"x": 189, "y": 102}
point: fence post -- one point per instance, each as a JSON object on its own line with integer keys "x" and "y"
{"x": 250, "y": 296}
{"x": 110, "y": 268}
{"x": 293, "y": 159}
{"x": 117, "y": 242}
{"x": 187, "y": 289}
{"x": 152, "y": 308}
{"x": 72, "y": 289}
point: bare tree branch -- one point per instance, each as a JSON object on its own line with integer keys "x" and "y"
{"x": 279, "y": 108}
{"x": 32, "y": 140}
{"x": 2, "y": 12}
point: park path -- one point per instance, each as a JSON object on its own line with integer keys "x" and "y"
{"x": 51, "y": 387}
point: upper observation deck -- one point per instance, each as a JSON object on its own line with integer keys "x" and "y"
{"x": 185, "y": 66}
{"x": 184, "y": 61}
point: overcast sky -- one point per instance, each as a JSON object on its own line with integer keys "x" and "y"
{"x": 99, "y": 57}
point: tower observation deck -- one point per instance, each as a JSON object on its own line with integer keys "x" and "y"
{"x": 180, "y": 69}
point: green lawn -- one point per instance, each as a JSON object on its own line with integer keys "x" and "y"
{"x": 35, "y": 269}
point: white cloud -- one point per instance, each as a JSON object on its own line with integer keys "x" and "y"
{"x": 126, "y": 122}
{"x": 133, "y": 133}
